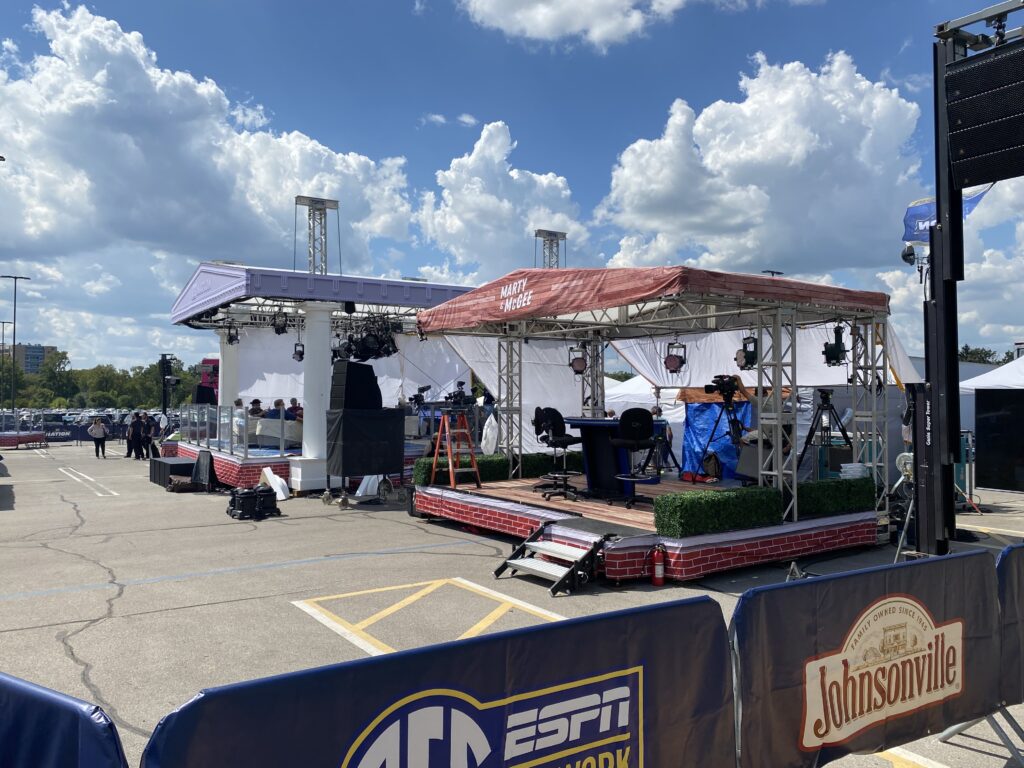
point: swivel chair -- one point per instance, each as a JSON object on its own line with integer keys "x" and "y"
{"x": 550, "y": 429}
{"x": 636, "y": 433}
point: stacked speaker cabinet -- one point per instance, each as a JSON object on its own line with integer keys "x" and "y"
{"x": 362, "y": 437}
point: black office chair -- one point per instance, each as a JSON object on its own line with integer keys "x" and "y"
{"x": 636, "y": 433}
{"x": 549, "y": 427}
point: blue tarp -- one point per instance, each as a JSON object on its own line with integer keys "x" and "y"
{"x": 40, "y": 728}
{"x": 700, "y": 419}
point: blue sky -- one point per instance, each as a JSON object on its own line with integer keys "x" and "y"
{"x": 730, "y": 134}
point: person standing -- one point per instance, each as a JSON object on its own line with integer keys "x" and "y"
{"x": 98, "y": 432}
{"x": 151, "y": 436}
{"x": 134, "y": 436}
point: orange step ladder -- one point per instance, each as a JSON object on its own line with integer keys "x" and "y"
{"x": 456, "y": 442}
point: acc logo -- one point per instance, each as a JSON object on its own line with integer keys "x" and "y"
{"x": 592, "y": 723}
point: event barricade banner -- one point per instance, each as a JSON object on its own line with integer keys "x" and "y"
{"x": 1010, "y": 575}
{"x": 864, "y": 661}
{"x": 646, "y": 687}
{"x": 46, "y": 729}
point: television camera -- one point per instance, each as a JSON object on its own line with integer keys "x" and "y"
{"x": 418, "y": 398}
{"x": 725, "y": 385}
{"x": 459, "y": 398}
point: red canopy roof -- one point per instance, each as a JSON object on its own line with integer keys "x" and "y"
{"x": 539, "y": 293}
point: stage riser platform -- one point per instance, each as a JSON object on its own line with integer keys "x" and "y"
{"x": 629, "y": 557}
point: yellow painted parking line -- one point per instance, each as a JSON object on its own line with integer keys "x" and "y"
{"x": 533, "y": 610}
{"x": 401, "y": 604}
{"x": 356, "y": 632}
{"x": 486, "y": 621}
{"x": 357, "y": 637}
{"x": 374, "y": 591}
{"x": 904, "y": 758}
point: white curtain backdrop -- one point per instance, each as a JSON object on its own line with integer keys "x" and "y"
{"x": 267, "y": 371}
{"x": 547, "y": 380}
{"x": 714, "y": 353}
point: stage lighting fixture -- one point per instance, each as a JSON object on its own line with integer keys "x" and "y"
{"x": 675, "y": 357}
{"x": 746, "y": 357}
{"x": 577, "y": 360}
{"x": 368, "y": 347}
{"x": 232, "y": 337}
{"x": 835, "y": 353}
{"x": 908, "y": 255}
{"x": 300, "y": 352}
{"x": 280, "y": 323}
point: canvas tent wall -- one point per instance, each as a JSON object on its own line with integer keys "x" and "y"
{"x": 266, "y": 369}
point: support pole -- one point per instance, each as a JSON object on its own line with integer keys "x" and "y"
{"x": 934, "y": 489}
{"x": 316, "y": 382}
{"x": 510, "y": 400}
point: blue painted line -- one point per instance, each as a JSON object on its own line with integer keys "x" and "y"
{"x": 223, "y": 571}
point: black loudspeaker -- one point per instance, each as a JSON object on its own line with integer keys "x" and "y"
{"x": 365, "y": 442}
{"x": 999, "y": 451}
{"x": 203, "y": 395}
{"x": 354, "y": 385}
{"x": 985, "y": 107}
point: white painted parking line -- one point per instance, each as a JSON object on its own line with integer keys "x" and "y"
{"x": 357, "y": 640}
{"x": 502, "y": 597}
{"x": 41, "y": 451}
{"x": 80, "y": 477}
{"x": 986, "y": 529}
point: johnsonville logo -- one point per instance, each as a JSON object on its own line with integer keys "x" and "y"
{"x": 591, "y": 723}
{"x": 895, "y": 661}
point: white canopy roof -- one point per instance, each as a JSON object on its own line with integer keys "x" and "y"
{"x": 1009, "y": 376}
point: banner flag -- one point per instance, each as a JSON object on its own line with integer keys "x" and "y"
{"x": 920, "y": 215}
{"x": 864, "y": 661}
{"x": 645, "y": 687}
{"x": 46, "y": 729}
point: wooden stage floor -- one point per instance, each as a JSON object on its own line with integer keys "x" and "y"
{"x": 640, "y": 516}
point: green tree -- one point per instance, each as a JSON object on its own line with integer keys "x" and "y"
{"x": 55, "y": 374}
{"x": 7, "y": 368}
{"x": 1008, "y": 357}
{"x": 969, "y": 354}
{"x": 101, "y": 399}
{"x": 620, "y": 375}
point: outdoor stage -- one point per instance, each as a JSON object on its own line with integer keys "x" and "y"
{"x": 510, "y": 507}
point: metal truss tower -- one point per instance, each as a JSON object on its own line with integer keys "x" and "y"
{"x": 552, "y": 250}
{"x": 317, "y": 208}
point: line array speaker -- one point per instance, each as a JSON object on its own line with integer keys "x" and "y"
{"x": 985, "y": 107}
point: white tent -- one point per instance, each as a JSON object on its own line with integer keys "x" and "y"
{"x": 1009, "y": 376}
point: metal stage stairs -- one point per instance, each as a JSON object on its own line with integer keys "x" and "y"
{"x": 576, "y": 566}
{"x": 455, "y": 442}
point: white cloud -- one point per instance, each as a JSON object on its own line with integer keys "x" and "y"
{"x": 600, "y": 23}
{"x": 252, "y": 117}
{"x": 434, "y": 119}
{"x": 467, "y": 120}
{"x": 103, "y": 284}
{"x": 487, "y": 210}
{"x": 808, "y": 173}
{"x": 145, "y": 171}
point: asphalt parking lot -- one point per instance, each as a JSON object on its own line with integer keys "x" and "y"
{"x": 120, "y": 593}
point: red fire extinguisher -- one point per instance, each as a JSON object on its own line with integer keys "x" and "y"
{"x": 658, "y": 571}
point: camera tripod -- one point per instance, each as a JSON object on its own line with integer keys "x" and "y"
{"x": 817, "y": 423}
{"x": 735, "y": 432}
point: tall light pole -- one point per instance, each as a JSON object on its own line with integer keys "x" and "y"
{"x": 5, "y": 351}
{"x": 14, "y": 340}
